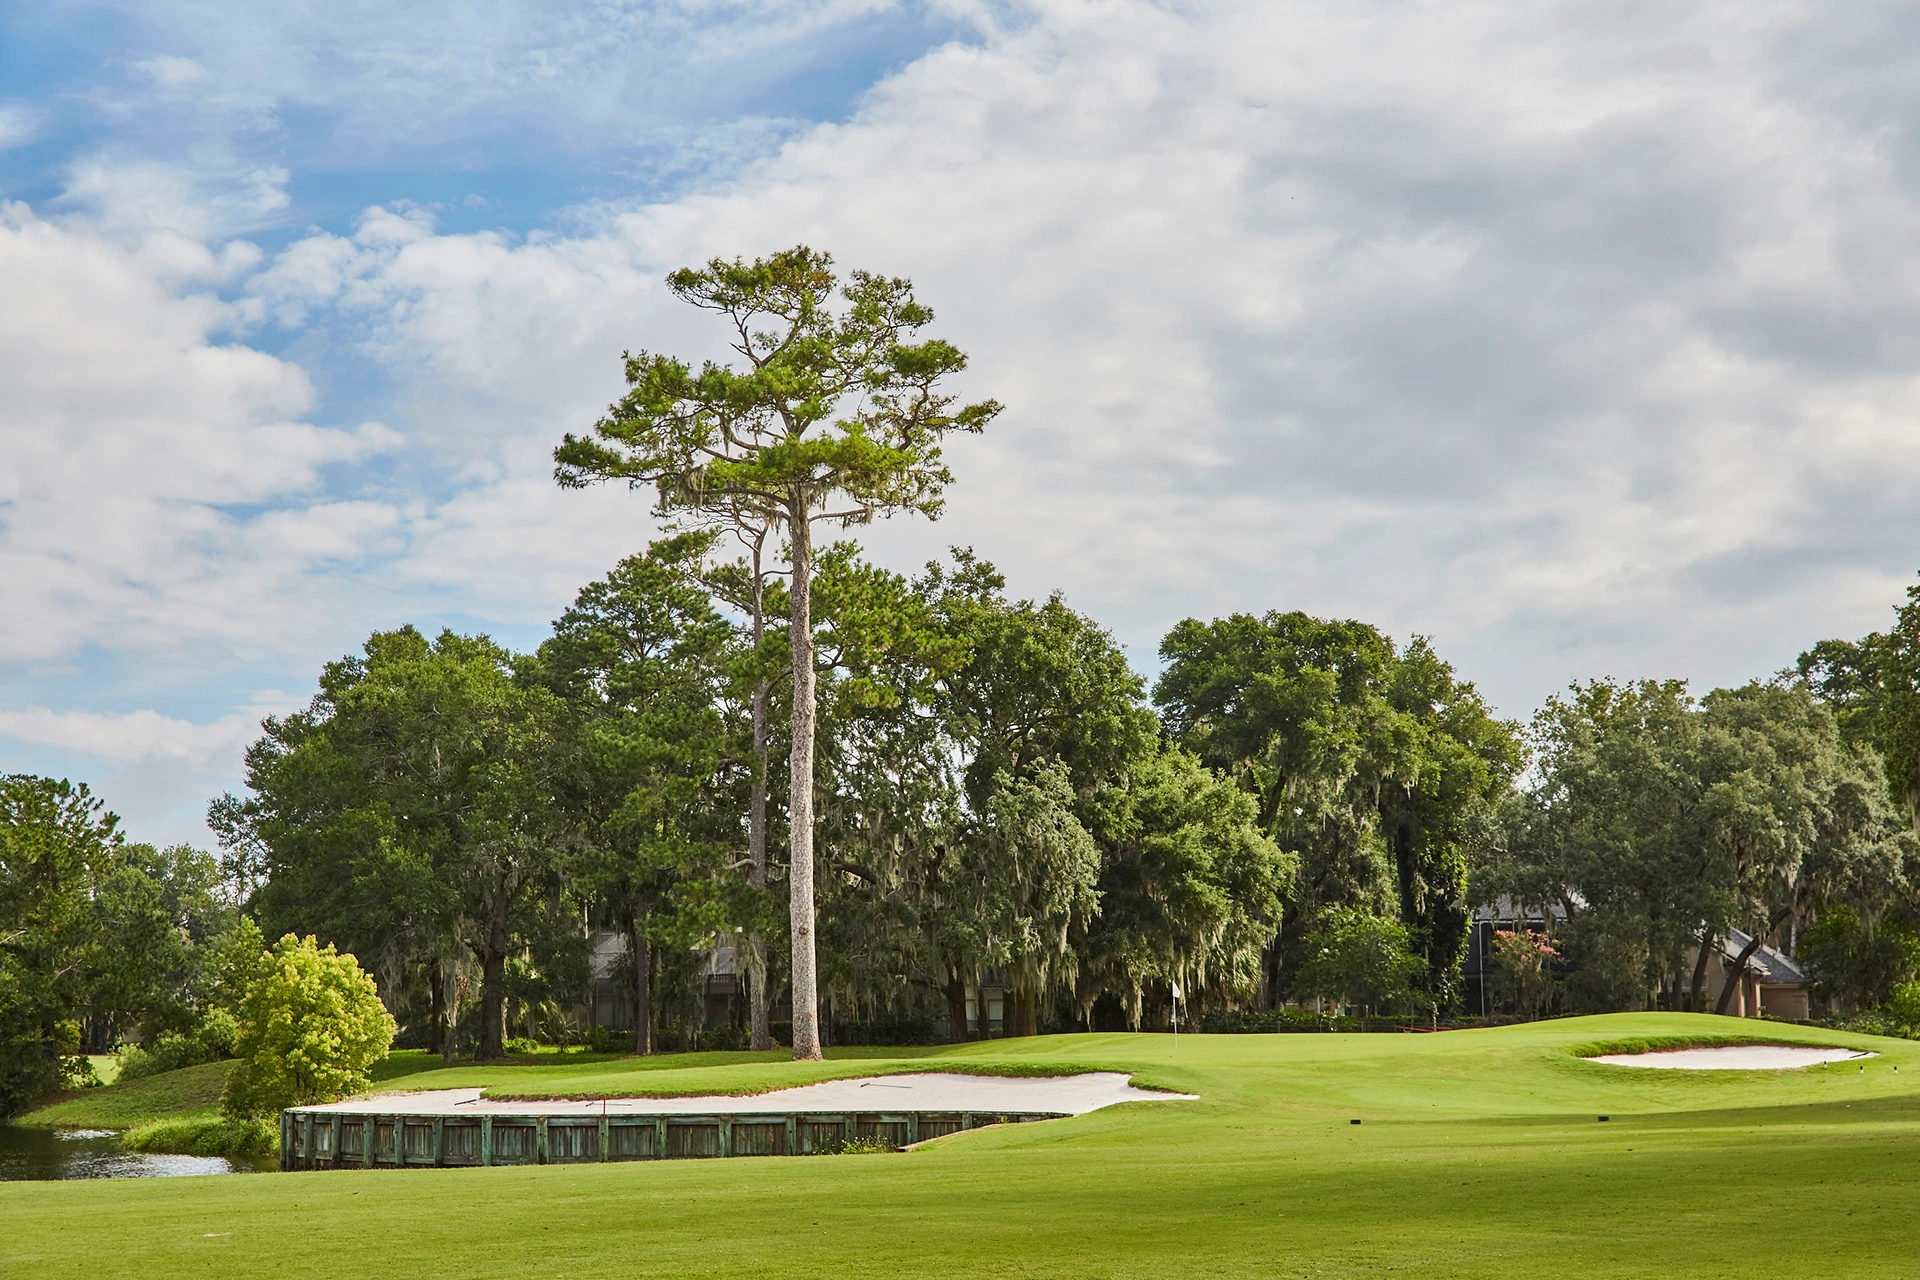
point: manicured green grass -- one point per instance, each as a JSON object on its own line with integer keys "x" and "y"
{"x": 1479, "y": 1154}
{"x": 188, "y": 1092}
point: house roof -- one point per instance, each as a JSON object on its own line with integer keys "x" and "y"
{"x": 1771, "y": 966}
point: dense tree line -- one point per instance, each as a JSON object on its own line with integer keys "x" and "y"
{"x": 977, "y": 787}
{"x": 1657, "y": 822}
{"x": 1653, "y": 823}
{"x": 993, "y": 796}
{"x": 1302, "y": 810}
{"x": 99, "y": 936}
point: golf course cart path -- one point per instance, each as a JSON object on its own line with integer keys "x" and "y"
{"x": 932, "y": 1091}
{"x": 1736, "y": 1057}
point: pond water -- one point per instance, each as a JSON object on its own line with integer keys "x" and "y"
{"x": 43, "y": 1154}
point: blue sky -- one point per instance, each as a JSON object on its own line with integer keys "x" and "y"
{"x": 1576, "y": 336}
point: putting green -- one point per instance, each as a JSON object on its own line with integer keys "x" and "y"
{"x": 1480, "y": 1150}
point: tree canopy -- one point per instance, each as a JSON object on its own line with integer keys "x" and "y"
{"x": 1376, "y": 766}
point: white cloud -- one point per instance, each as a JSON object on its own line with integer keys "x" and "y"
{"x": 156, "y": 771}
{"x": 472, "y": 81}
{"x": 157, "y": 487}
{"x": 139, "y": 737}
{"x": 1578, "y": 341}
{"x": 20, "y": 123}
{"x": 170, "y": 73}
{"x": 133, "y": 199}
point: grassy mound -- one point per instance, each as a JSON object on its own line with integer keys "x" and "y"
{"x": 1478, "y": 1153}
{"x": 188, "y": 1091}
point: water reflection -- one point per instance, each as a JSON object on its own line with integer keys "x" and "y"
{"x": 42, "y": 1154}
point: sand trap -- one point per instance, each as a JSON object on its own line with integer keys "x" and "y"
{"x": 1735, "y": 1057}
{"x": 930, "y": 1091}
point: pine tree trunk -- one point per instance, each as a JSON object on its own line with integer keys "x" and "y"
{"x": 806, "y": 1008}
{"x": 760, "y": 1036}
{"x": 640, "y": 956}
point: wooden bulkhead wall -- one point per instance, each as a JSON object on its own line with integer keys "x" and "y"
{"x": 338, "y": 1140}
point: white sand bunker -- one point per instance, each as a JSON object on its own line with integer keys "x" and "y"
{"x": 928, "y": 1091}
{"x": 1735, "y": 1057}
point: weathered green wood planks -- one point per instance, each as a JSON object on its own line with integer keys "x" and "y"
{"x": 326, "y": 1140}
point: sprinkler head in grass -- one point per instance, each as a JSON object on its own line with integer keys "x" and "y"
{"x": 1604, "y": 1119}
{"x": 1353, "y": 1122}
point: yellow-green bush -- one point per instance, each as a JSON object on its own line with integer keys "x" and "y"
{"x": 310, "y": 1027}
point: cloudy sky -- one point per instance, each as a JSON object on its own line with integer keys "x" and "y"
{"x": 1581, "y": 337}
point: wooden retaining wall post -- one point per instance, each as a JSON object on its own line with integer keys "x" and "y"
{"x": 726, "y": 1135}
{"x": 367, "y": 1130}
{"x": 540, "y": 1126}
{"x": 286, "y": 1140}
{"x": 913, "y": 1127}
{"x": 793, "y": 1135}
{"x": 307, "y": 1145}
{"x": 486, "y": 1141}
{"x": 439, "y": 1142}
{"x": 339, "y": 1129}
{"x": 605, "y": 1134}
{"x": 399, "y": 1142}
{"x": 660, "y": 1138}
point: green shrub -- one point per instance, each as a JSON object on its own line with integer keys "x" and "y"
{"x": 205, "y": 1136}
{"x": 728, "y": 1039}
{"x": 76, "y": 1072}
{"x": 311, "y": 1026}
{"x": 1903, "y": 1006}
{"x": 1855, "y": 964}
{"x": 212, "y": 1041}
{"x": 1607, "y": 962}
{"x": 1358, "y": 958}
{"x": 519, "y": 1046}
{"x": 886, "y": 1029}
{"x": 1252, "y": 1022}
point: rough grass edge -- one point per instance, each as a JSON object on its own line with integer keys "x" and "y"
{"x": 864, "y": 1069}
{"x": 204, "y": 1136}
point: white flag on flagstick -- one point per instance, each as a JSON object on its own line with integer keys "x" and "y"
{"x": 1176, "y": 991}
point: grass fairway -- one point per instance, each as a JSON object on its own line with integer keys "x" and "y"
{"x": 1479, "y": 1153}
